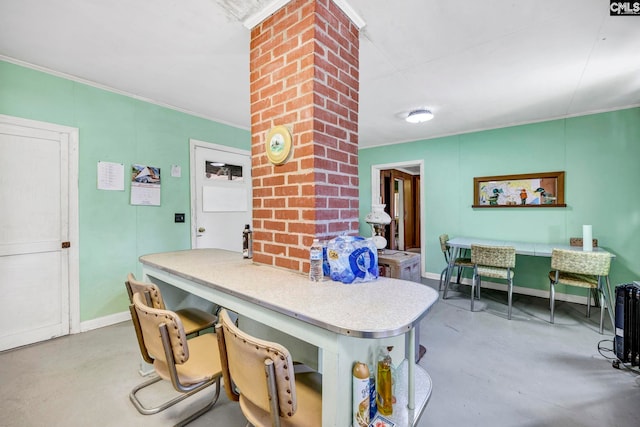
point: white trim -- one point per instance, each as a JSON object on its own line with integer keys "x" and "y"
{"x": 276, "y": 5}
{"x": 351, "y": 13}
{"x": 117, "y": 91}
{"x": 101, "y": 322}
{"x": 74, "y": 233}
{"x": 375, "y": 195}
{"x": 504, "y": 126}
{"x": 263, "y": 14}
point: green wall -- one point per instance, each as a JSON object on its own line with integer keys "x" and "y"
{"x": 600, "y": 154}
{"x": 116, "y": 128}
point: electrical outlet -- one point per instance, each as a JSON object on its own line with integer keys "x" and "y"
{"x": 179, "y": 217}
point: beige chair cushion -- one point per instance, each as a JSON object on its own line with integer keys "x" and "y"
{"x": 193, "y": 319}
{"x": 309, "y": 397}
{"x": 203, "y": 363}
{"x": 581, "y": 280}
{"x": 299, "y": 395}
{"x": 197, "y": 360}
{"x": 495, "y": 272}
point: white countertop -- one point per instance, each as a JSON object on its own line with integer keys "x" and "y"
{"x": 382, "y": 308}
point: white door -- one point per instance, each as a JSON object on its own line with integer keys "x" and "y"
{"x": 34, "y": 227}
{"x": 221, "y": 197}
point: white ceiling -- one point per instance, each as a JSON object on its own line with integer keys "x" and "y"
{"x": 476, "y": 64}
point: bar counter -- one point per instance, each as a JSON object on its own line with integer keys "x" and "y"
{"x": 345, "y": 322}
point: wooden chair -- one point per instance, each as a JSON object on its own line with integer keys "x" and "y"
{"x": 581, "y": 269}
{"x": 460, "y": 263}
{"x": 496, "y": 262}
{"x": 190, "y": 365}
{"x": 260, "y": 375}
{"x": 193, "y": 319}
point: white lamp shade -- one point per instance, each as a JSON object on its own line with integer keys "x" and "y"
{"x": 377, "y": 215}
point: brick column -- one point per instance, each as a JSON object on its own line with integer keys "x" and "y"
{"x": 304, "y": 75}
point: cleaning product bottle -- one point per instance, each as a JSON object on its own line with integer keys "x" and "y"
{"x": 360, "y": 395}
{"x": 384, "y": 390}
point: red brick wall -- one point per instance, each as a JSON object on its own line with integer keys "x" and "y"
{"x": 304, "y": 75}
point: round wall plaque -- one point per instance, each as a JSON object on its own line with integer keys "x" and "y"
{"x": 278, "y": 145}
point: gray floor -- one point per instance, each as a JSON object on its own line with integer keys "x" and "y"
{"x": 486, "y": 370}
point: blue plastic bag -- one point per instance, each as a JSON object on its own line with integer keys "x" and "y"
{"x": 352, "y": 259}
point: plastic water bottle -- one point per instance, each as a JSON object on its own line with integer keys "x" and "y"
{"x": 315, "y": 261}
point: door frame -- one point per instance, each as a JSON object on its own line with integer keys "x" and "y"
{"x": 375, "y": 195}
{"x": 193, "y": 143}
{"x": 73, "y": 251}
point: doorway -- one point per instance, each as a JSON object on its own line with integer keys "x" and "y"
{"x": 221, "y": 195}
{"x": 39, "y": 267}
{"x": 399, "y": 186}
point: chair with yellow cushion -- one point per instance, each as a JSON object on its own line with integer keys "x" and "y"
{"x": 260, "y": 375}
{"x": 582, "y": 269}
{"x": 190, "y": 365}
{"x": 496, "y": 262}
{"x": 193, "y": 319}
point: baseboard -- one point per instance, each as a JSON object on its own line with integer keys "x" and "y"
{"x": 520, "y": 290}
{"x": 101, "y": 322}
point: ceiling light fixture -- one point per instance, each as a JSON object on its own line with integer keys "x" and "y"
{"x": 419, "y": 116}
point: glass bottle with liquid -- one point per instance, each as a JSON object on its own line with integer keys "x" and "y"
{"x": 384, "y": 386}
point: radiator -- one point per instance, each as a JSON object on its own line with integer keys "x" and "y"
{"x": 627, "y": 339}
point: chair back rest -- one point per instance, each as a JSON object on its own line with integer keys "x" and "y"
{"x": 444, "y": 238}
{"x": 151, "y": 290}
{"x": 151, "y": 320}
{"x": 493, "y": 256}
{"x": 245, "y": 356}
{"x": 590, "y": 263}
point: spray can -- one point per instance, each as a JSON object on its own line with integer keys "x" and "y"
{"x": 360, "y": 395}
{"x": 247, "y": 242}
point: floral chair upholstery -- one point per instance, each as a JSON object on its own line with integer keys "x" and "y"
{"x": 496, "y": 262}
{"x": 581, "y": 269}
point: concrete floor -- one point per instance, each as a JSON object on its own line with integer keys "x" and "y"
{"x": 486, "y": 371}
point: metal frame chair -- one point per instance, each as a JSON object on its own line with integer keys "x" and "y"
{"x": 496, "y": 262}
{"x": 190, "y": 365}
{"x": 193, "y": 319}
{"x": 260, "y": 375}
{"x": 460, "y": 263}
{"x": 581, "y": 269}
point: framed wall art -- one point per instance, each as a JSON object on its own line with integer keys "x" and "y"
{"x": 531, "y": 190}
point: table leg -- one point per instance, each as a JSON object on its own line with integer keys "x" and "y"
{"x": 447, "y": 278}
{"x": 411, "y": 368}
{"x": 607, "y": 296}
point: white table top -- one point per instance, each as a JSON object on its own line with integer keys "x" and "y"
{"x": 382, "y": 308}
{"x": 522, "y": 248}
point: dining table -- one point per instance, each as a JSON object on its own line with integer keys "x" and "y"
{"x": 536, "y": 249}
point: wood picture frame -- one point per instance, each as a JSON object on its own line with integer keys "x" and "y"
{"x": 530, "y": 190}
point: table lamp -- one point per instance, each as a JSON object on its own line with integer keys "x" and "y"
{"x": 377, "y": 219}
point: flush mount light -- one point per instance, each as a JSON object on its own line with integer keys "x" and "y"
{"x": 419, "y": 116}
